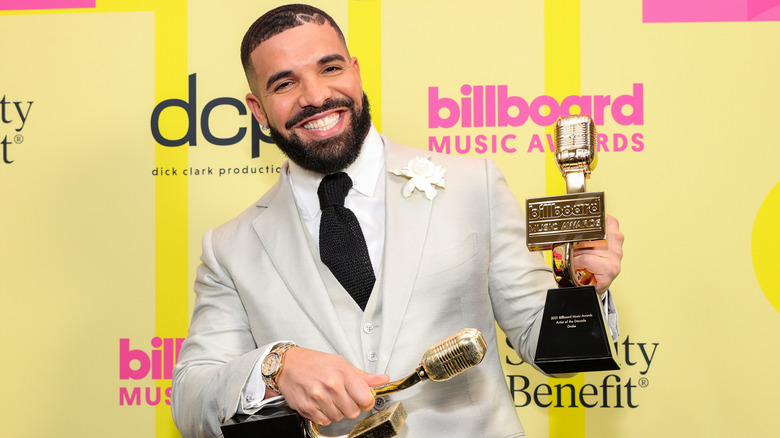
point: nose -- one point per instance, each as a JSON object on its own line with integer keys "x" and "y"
{"x": 314, "y": 92}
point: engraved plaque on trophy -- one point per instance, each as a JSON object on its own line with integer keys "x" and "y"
{"x": 573, "y": 336}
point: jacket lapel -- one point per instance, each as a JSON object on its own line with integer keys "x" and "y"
{"x": 286, "y": 240}
{"x": 406, "y": 227}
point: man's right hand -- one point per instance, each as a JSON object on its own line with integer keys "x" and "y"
{"x": 325, "y": 387}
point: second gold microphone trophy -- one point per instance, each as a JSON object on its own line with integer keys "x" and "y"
{"x": 573, "y": 336}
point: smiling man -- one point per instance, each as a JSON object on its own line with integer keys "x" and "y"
{"x": 307, "y": 90}
{"x": 318, "y": 297}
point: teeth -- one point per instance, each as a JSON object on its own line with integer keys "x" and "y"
{"x": 324, "y": 123}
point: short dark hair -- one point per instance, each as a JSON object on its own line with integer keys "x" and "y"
{"x": 278, "y": 20}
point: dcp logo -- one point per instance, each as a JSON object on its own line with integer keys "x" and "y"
{"x": 190, "y": 106}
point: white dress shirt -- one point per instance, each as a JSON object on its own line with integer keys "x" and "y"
{"x": 366, "y": 198}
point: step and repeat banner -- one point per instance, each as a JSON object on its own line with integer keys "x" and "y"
{"x": 125, "y": 135}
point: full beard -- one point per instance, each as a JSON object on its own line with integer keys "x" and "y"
{"x": 332, "y": 154}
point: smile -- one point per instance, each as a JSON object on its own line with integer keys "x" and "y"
{"x": 324, "y": 123}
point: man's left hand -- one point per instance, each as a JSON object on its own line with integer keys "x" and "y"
{"x": 603, "y": 261}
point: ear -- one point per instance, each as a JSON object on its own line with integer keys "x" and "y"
{"x": 356, "y": 67}
{"x": 257, "y": 108}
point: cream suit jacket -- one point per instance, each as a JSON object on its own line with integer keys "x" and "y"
{"x": 457, "y": 261}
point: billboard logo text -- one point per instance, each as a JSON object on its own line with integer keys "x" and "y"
{"x": 482, "y": 106}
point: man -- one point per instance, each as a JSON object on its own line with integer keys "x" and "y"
{"x": 450, "y": 257}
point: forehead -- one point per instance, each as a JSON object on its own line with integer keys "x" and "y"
{"x": 296, "y": 48}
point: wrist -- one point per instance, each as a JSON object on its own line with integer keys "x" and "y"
{"x": 273, "y": 364}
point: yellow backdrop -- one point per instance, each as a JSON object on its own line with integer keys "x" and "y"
{"x": 125, "y": 136}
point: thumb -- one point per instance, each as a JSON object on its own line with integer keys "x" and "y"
{"x": 375, "y": 379}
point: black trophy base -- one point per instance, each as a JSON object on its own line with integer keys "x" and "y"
{"x": 573, "y": 336}
{"x": 271, "y": 422}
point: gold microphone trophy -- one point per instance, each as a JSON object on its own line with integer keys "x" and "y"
{"x": 441, "y": 362}
{"x": 573, "y": 336}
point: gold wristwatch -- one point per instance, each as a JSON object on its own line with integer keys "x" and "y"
{"x": 273, "y": 363}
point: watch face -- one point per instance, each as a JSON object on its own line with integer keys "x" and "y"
{"x": 271, "y": 365}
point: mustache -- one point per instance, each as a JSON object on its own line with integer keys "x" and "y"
{"x": 311, "y": 111}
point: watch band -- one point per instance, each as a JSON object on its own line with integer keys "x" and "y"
{"x": 271, "y": 378}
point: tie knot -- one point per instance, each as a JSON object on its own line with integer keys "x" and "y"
{"x": 333, "y": 189}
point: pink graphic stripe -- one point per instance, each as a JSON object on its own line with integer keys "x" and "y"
{"x": 702, "y": 11}
{"x": 18, "y": 5}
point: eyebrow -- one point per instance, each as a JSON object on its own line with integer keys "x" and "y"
{"x": 286, "y": 73}
{"x": 330, "y": 58}
{"x": 276, "y": 76}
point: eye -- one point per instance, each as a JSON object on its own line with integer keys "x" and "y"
{"x": 281, "y": 86}
{"x": 331, "y": 69}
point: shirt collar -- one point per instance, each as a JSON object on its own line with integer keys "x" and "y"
{"x": 364, "y": 172}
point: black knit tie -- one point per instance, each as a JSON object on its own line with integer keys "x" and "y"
{"x": 342, "y": 245}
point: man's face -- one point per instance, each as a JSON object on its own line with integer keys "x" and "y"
{"x": 308, "y": 90}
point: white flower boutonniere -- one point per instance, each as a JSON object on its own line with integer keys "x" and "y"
{"x": 423, "y": 175}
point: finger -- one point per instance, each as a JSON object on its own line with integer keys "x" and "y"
{"x": 311, "y": 412}
{"x": 337, "y": 401}
{"x": 358, "y": 397}
{"x": 591, "y": 244}
{"x": 315, "y": 401}
{"x": 614, "y": 235}
{"x": 597, "y": 262}
{"x": 610, "y": 248}
{"x": 375, "y": 379}
{"x": 598, "y": 251}
{"x": 318, "y": 417}
{"x": 612, "y": 222}
{"x": 360, "y": 391}
{"x": 604, "y": 269}
{"x": 329, "y": 409}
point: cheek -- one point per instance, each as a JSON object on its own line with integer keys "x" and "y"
{"x": 357, "y": 94}
{"x": 350, "y": 86}
{"x": 278, "y": 112}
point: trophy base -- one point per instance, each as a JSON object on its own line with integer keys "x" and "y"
{"x": 384, "y": 424}
{"x": 573, "y": 337}
{"x": 269, "y": 422}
